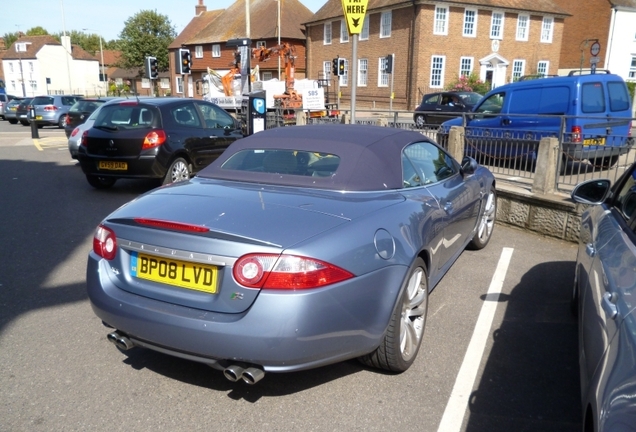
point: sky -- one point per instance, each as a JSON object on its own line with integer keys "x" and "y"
{"x": 103, "y": 17}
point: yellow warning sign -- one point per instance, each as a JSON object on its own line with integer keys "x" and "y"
{"x": 354, "y": 12}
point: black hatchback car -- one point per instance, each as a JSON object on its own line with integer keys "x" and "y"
{"x": 163, "y": 138}
{"x": 438, "y": 107}
{"x": 80, "y": 111}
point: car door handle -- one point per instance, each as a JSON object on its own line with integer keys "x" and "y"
{"x": 448, "y": 207}
{"x": 610, "y": 308}
{"x": 590, "y": 250}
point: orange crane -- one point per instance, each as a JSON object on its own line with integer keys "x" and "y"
{"x": 291, "y": 99}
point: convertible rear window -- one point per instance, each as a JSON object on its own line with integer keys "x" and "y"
{"x": 278, "y": 161}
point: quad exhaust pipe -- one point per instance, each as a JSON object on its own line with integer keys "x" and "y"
{"x": 122, "y": 342}
{"x": 251, "y": 375}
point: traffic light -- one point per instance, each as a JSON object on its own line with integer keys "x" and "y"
{"x": 334, "y": 66}
{"x": 184, "y": 61}
{"x": 388, "y": 64}
{"x": 152, "y": 68}
{"x": 341, "y": 67}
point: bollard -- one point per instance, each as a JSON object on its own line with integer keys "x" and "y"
{"x": 34, "y": 126}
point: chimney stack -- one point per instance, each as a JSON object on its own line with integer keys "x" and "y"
{"x": 200, "y": 8}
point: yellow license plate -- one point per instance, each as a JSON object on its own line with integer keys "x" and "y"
{"x": 110, "y": 165}
{"x": 38, "y": 117}
{"x": 594, "y": 141}
{"x": 195, "y": 276}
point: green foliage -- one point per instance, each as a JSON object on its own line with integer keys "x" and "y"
{"x": 147, "y": 33}
{"x": 9, "y": 38}
{"x": 469, "y": 83}
{"x": 631, "y": 86}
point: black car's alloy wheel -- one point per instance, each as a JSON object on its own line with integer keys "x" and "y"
{"x": 178, "y": 171}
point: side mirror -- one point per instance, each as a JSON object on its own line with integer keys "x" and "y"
{"x": 591, "y": 191}
{"x": 469, "y": 165}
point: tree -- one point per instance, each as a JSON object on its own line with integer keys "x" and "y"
{"x": 37, "y": 31}
{"x": 469, "y": 83}
{"x": 146, "y": 34}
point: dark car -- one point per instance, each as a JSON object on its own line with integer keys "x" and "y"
{"x": 80, "y": 111}
{"x": 154, "y": 138}
{"x": 22, "y": 111}
{"x": 604, "y": 298}
{"x": 10, "y": 110}
{"x": 285, "y": 254}
{"x": 439, "y": 107}
{"x": 51, "y": 110}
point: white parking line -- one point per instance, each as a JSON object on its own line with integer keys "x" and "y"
{"x": 458, "y": 401}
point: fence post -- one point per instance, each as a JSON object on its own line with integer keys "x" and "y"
{"x": 546, "y": 166}
{"x": 301, "y": 119}
{"x": 456, "y": 142}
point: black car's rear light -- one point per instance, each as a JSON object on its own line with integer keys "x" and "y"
{"x": 177, "y": 226}
{"x": 154, "y": 139}
{"x": 84, "y": 135}
{"x": 105, "y": 242}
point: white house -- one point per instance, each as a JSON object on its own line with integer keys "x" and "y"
{"x": 621, "y": 50}
{"x": 37, "y": 65}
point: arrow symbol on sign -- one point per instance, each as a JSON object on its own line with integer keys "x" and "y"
{"x": 355, "y": 22}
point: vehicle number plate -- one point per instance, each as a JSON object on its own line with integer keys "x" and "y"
{"x": 38, "y": 117}
{"x": 110, "y": 165}
{"x": 195, "y": 276}
{"x": 594, "y": 141}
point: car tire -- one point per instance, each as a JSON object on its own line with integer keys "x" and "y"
{"x": 61, "y": 122}
{"x": 179, "y": 171}
{"x": 12, "y": 121}
{"x": 420, "y": 121}
{"x": 486, "y": 224}
{"x": 24, "y": 123}
{"x": 100, "y": 182}
{"x": 403, "y": 338}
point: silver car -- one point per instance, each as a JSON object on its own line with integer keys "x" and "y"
{"x": 51, "y": 110}
{"x": 75, "y": 138}
{"x": 604, "y": 298}
{"x": 296, "y": 248}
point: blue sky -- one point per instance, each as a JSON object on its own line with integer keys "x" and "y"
{"x": 103, "y": 17}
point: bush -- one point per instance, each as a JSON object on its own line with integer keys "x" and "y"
{"x": 469, "y": 83}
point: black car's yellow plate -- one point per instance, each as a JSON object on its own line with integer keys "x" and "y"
{"x": 195, "y": 276}
{"x": 112, "y": 165}
{"x": 594, "y": 141}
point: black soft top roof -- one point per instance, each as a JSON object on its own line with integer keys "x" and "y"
{"x": 370, "y": 156}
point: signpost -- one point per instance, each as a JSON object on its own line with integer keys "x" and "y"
{"x": 595, "y": 49}
{"x": 354, "y": 12}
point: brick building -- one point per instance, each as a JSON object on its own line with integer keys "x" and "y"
{"x": 206, "y": 37}
{"x": 435, "y": 42}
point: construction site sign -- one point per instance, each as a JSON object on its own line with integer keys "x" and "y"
{"x": 354, "y": 12}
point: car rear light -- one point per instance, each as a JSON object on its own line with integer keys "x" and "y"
{"x": 84, "y": 135}
{"x": 67, "y": 119}
{"x": 50, "y": 108}
{"x": 154, "y": 139}
{"x": 287, "y": 272}
{"x": 576, "y": 133}
{"x": 75, "y": 131}
{"x": 178, "y": 226}
{"x": 105, "y": 243}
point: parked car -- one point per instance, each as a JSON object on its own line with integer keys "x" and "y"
{"x": 161, "y": 138}
{"x": 10, "y": 110}
{"x": 51, "y": 110}
{"x": 75, "y": 138}
{"x": 595, "y": 109}
{"x": 443, "y": 106}
{"x": 4, "y": 100}
{"x": 81, "y": 110}
{"x": 285, "y": 254}
{"x": 22, "y": 111}
{"x": 604, "y": 298}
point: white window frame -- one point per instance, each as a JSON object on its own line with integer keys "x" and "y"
{"x": 261, "y": 44}
{"x": 216, "y": 50}
{"x": 344, "y": 79}
{"x": 631, "y": 74}
{"x": 327, "y": 36}
{"x": 386, "y": 19}
{"x": 344, "y": 32}
{"x": 547, "y": 29}
{"x": 441, "y": 61}
{"x": 523, "y": 27}
{"x": 34, "y": 85}
{"x": 10, "y": 67}
{"x": 470, "y": 22}
{"x": 267, "y": 76}
{"x": 440, "y": 20}
{"x": 497, "y": 22}
{"x": 383, "y": 77}
{"x": 518, "y": 72}
{"x": 364, "y": 34}
{"x": 179, "y": 84}
{"x": 546, "y": 63}
{"x": 198, "y": 51}
{"x": 363, "y": 72}
{"x": 30, "y": 66}
{"x": 145, "y": 83}
{"x": 164, "y": 83}
{"x": 470, "y": 61}
{"x": 326, "y": 69}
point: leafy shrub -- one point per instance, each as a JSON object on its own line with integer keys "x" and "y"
{"x": 469, "y": 83}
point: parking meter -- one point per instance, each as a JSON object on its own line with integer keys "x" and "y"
{"x": 34, "y": 126}
{"x": 256, "y": 112}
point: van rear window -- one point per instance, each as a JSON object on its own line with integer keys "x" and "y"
{"x": 619, "y": 99}
{"x": 592, "y": 98}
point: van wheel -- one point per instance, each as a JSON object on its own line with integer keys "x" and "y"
{"x": 605, "y": 162}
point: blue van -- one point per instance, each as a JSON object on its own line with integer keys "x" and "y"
{"x": 591, "y": 114}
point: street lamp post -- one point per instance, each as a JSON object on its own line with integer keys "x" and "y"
{"x": 101, "y": 53}
{"x": 21, "y": 47}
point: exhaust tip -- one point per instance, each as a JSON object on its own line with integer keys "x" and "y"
{"x": 233, "y": 373}
{"x": 112, "y": 337}
{"x": 252, "y": 375}
{"x": 124, "y": 344}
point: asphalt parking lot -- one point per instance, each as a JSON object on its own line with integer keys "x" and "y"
{"x": 499, "y": 351}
